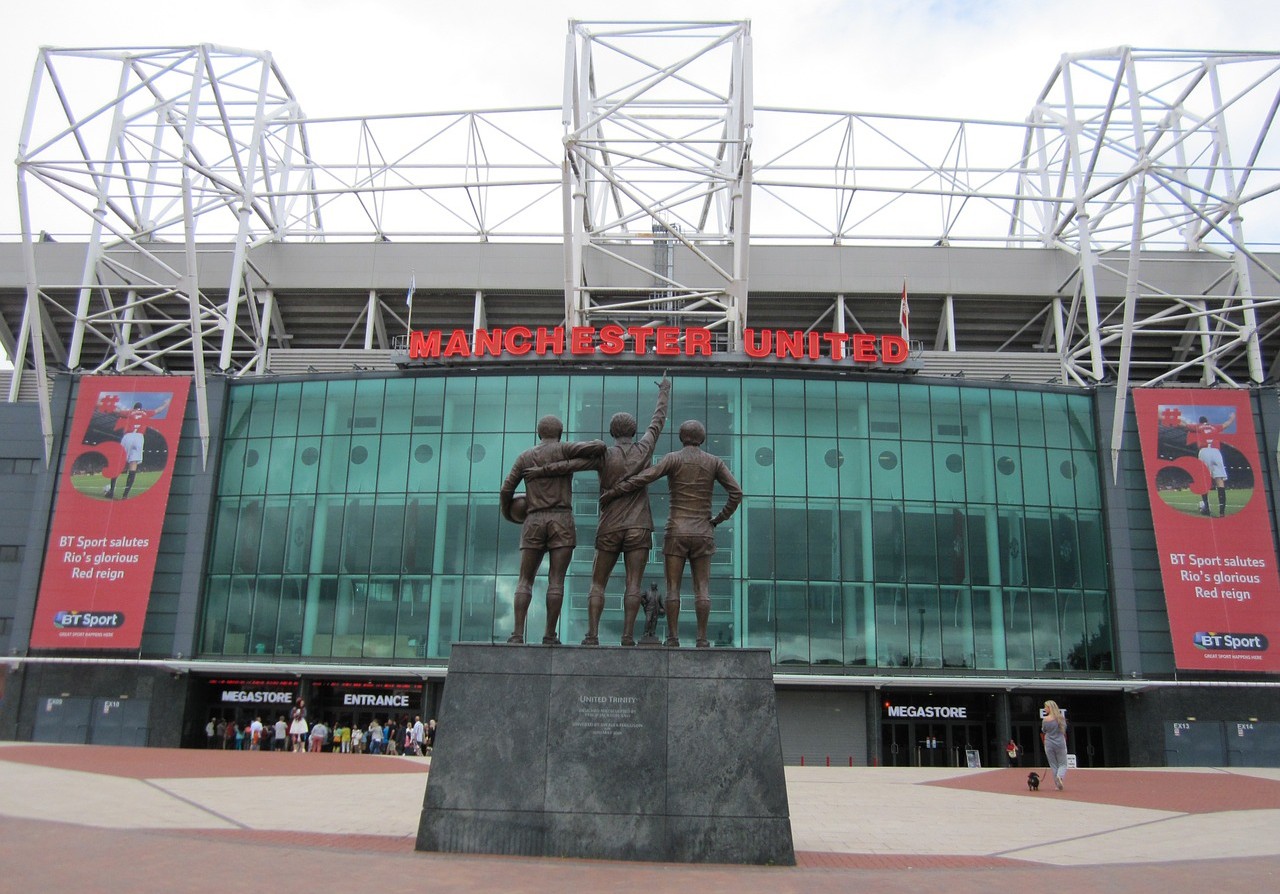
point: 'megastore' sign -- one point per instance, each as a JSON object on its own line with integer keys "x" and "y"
{"x": 663, "y": 341}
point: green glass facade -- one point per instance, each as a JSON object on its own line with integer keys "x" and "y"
{"x": 886, "y": 524}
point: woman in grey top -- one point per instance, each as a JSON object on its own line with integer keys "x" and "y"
{"x": 1054, "y": 731}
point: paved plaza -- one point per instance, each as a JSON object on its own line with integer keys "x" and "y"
{"x": 108, "y": 819}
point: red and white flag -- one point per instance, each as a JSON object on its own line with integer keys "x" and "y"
{"x": 904, "y": 314}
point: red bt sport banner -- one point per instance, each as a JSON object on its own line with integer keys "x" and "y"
{"x": 1212, "y": 528}
{"x": 112, "y": 494}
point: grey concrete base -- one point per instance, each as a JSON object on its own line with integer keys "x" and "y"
{"x": 614, "y": 753}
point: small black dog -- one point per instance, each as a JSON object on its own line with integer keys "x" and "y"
{"x": 1033, "y": 781}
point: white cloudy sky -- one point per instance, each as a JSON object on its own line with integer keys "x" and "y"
{"x": 967, "y": 58}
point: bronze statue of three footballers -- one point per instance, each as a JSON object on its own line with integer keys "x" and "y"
{"x": 626, "y": 521}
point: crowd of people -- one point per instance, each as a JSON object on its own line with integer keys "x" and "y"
{"x": 400, "y": 735}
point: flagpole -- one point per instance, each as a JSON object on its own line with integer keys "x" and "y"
{"x": 408, "y": 299}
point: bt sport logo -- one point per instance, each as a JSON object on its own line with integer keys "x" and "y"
{"x": 88, "y": 620}
{"x": 1230, "y": 642}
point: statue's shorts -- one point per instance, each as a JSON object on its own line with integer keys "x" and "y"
{"x": 624, "y": 540}
{"x": 689, "y": 546}
{"x": 548, "y": 529}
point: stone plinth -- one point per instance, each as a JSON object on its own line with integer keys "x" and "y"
{"x": 623, "y": 754}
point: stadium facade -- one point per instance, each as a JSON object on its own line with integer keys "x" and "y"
{"x": 268, "y": 381}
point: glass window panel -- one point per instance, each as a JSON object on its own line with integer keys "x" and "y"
{"x": 953, "y": 551}
{"x": 917, "y": 470}
{"x": 239, "y": 406}
{"x": 348, "y": 618}
{"x": 920, "y": 546}
{"x": 1039, "y": 549}
{"x": 248, "y": 537}
{"x": 759, "y": 617}
{"x": 586, "y": 419}
{"x": 553, "y": 397}
{"x": 975, "y": 411}
{"x": 624, "y": 394}
{"x": 1045, "y": 630}
{"x": 1080, "y": 409}
{"x": 1097, "y": 613}
{"x": 293, "y": 604}
{"x": 266, "y": 616}
{"x": 335, "y": 453}
{"x": 824, "y": 457}
{"x": 957, "y": 628}
{"x": 413, "y": 614}
{"x": 279, "y": 473}
{"x": 275, "y": 537}
{"x": 233, "y": 461}
{"x": 1062, "y": 477}
{"x": 317, "y": 621}
{"x": 944, "y": 404}
{"x": 886, "y": 470}
{"x": 1035, "y": 476}
{"x": 1093, "y": 551}
{"x": 1074, "y": 642}
{"x": 262, "y": 411}
{"x": 760, "y": 541}
{"x": 793, "y": 559}
{"x": 826, "y": 624}
{"x": 851, "y": 409}
{"x": 757, "y": 398}
{"x": 892, "y": 649}
{"x": 509, "y": 549}
{"x": 855, "y": 541}
{"x": 979, "y": 474}
{"x": 452, "y": 536}
{"x": 397, "y": 406}
{"x": 340, "y": 407}
{"x": 792, "y": 624}
{"x": 487, "y": 469}
{"x": 982, "y": 542}
{"x": 428, "y": 403}
{"x": 1012, "y": 550}
{"x": 311, "y": 413}
{"x": 222, "y": 553}
{"x": 1004, "y": 417}
{"x": 357, "y": 536}
{"x": 882, "y": 401}
{"x": 367, "y": 410}
{"x": 721, "y": 416}
{"x": 788, "y": 407}
{"x": 888, "y": 533}
{"x": 460, "y": 404}
{"x": 288, "y": 403}
{"x": 482, "y": 539}
{"x": 1030, "y": 419}
{"x": 213, "y": 626}
{"x": 823, "y": 540}
{"x": 362, "y": 458}
{"x": 948, "y": 473}
{"x": 914, "y": 408}
{"x": 239, "y": 613}
{"x": 1057, "y": 421}
{"x": 328, "y": 538}
{"x": 854, "y": 473}
{"x": 380, "y": 618}
{"x": 419, "y": 535}
{"x": 491, "y": 404}
{"x": 924, "y": 639}
{"x": 1008, "y": 475}
{"x": 424, "y": 463}
{"x": 393, "y": 463}
{"x": 758, "y": 463}
{"x": 257, "y": 453}
{"x": 302, "y": 532}
{"x": 789, "y": 467}
{"x": 859, "y": 624}
{"x": 446, "y": 608}
{"x": 455, "y": 462}
{"x": 988, "y": 630}
{"x": 306, "y": 465}
{"x": 1066, "y": 550}
{"x": 1017, "y": 630}
{"x": 819, "y": 408}
{"x": 476, "y": 618}
{"x": 1088, "y": 495}
{"x": 386, "y": 554}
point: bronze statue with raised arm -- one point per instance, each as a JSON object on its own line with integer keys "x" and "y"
{"x": 692, "y": 474}
{"x": 626, "y": 524}
{"x": 547, "y": 526}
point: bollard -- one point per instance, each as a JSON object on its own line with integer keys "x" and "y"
{"x": 802, "y": 760}
{"x": 828, "y": 760}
